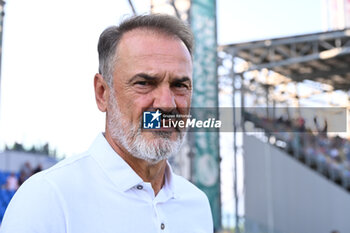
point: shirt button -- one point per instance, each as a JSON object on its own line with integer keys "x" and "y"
{"x": 139, "y": 187}
{"x": 162, "y": 226}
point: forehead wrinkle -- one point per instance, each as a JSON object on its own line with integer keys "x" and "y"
{"x": 169, "y": 55}
{"x": 176, "y": 63}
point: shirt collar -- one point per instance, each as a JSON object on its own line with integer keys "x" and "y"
{"x": 169, "y": 186}
{"x": 119, "y": 172}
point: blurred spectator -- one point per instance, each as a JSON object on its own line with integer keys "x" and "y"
{"x": 301, "y": 124}
{"x": 318, "y": 127}
{"x": 12, "y": 182}
{"x": 347, "y": 149}
{"x": 39, "y": 168}
{"x": 25, "y": 172}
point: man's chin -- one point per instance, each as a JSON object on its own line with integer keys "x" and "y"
{"x": 164, "y": 134}
{"x": 151, "y": 136}
{"x": 157, "y": 147}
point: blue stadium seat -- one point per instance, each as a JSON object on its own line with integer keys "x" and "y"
{"x": 5, "y": 197}
{"x": 2, "y": 195}
{"x": 2, "y": 212}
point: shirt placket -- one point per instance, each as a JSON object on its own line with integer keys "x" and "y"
{"x": 161, "y": 220}
{"x": 145, "y": 190}
{"x": 163, "y": 196}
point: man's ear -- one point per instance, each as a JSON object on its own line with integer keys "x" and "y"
{"x": 101, "y": 92}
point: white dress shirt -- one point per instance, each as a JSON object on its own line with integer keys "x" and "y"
{"x": 98, "y": 192}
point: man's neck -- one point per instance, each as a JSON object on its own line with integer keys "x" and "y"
{"x": 152, "y": 173}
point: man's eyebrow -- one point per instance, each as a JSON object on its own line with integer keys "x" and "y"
{"x": 144, "y": 76}
{"x": 183, "y": 79}
{"x": 153, "y": 78}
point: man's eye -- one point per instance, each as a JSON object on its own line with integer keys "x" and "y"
{"x": 180, "y": 85}
{"x": 142, "y": 83}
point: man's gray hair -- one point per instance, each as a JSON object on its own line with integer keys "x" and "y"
{"x": 110, "y": 38}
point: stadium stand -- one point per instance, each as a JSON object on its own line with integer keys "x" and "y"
{"x": 330, "y": 156}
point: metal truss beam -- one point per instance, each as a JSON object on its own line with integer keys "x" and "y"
{"x": 293, "y": 50}
{"x": 326, "y": 54}
{"x": 286, "y": 41}
{"x": 317, "y": 74}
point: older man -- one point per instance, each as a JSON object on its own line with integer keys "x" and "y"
{"x": 123, "y": 183}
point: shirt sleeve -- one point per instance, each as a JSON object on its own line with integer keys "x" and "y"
{"x": 35, "y": 208}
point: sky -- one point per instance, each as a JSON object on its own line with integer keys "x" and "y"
{"x": 255, "y": 20}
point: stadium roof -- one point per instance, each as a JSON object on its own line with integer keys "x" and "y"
{"x": 322, "y": 57}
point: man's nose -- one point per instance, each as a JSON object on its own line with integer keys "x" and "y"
{"x": 164, "y": 99}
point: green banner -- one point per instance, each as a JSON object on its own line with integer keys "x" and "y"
{"x": 206, "y": 167}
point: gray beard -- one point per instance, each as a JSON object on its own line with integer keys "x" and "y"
{"x": 130, "y": 137}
